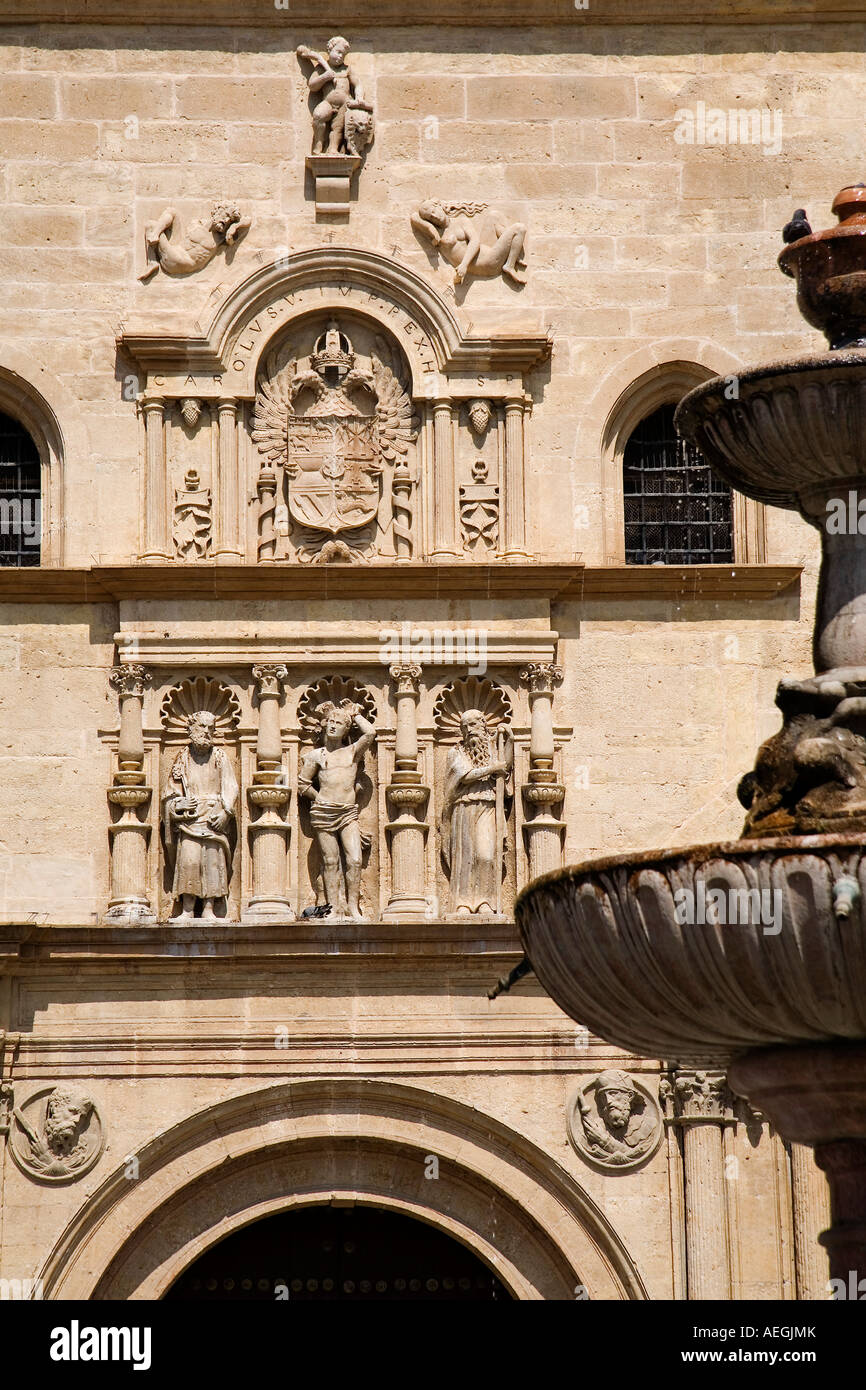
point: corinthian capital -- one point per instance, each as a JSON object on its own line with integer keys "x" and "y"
{"x": 541, "y": 677}
{"x": 701, "y": 1095}
{"x": 129, "y": 679}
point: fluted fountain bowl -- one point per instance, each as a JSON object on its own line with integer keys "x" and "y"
{"x": 787, "y": 433}
{"x": 608, "y": 942}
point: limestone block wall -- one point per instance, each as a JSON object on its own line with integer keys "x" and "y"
{"x": 641, "y": 249}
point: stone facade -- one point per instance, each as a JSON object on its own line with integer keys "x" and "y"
{"x": 333, "y": 611}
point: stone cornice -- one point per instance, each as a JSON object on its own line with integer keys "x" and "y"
{"x": 556, "y": 581}
{"x": 499, "y": 13}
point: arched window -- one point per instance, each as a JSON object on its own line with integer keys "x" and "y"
{"x": 20, "y": 495}
{"x": 677, "y": 512}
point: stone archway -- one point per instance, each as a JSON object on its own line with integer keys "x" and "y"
{"x": 371, "y": 1142}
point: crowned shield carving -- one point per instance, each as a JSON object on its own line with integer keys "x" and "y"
{"x": 333, "y": 426}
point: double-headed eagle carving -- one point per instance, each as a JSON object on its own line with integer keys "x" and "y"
{"x": 332, "y": 427}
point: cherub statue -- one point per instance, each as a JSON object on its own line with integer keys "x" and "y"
{"x": 473, "y": 238}
{"x": 342, "y": 119}
{"x": 328, "y": 776}
{"x": 188, "y": 251}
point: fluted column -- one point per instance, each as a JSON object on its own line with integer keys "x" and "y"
{"x": 811, "y": 1211}
{"x": 444, "y": 491}
{"x": 406, "y": 798}
{"x": 128, "y": 903}
{"x": 155, "y": 482}
{"x": 514, "y": 499}
{"x": 269, "y": 834}
{"x": 542, "y": 794}
{"x": 228, "y": 548}
{"x": 701, "y": 1109}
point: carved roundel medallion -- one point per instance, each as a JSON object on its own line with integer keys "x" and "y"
{"x": 57, "y": 1135}
{"x": 614, "y": 1122}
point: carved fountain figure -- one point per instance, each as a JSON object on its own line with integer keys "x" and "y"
{"x": 783, "y": 1007}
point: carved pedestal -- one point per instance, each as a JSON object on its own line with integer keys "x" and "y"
{"x": 269, "y": 833}
{"x": 128, "y": 902}
{"x": 542, "y": 795}
{"x": 406, "y": 797}
{"x": 332, "y": 175}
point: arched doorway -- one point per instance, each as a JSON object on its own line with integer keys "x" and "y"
{"x": 347, "y": 1253}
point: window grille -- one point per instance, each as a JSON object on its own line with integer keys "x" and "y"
{"x": 677, "y": 512}
{"x": 20, "y": 495}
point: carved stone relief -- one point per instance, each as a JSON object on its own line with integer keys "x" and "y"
{"x": 474, "y": 239}
{"x": 176, "y": 251}
{"x": 614, "y": 1121}
{"x": 199, "y": 800}
{"x": 57, "y": 1135}
{"x": 337, "y": 426}
{"x": 192, "y": 518}
{"x": 475, "y": 793}
{"x": 330, "y": 777}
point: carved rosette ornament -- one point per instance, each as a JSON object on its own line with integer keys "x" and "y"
{"x": 57, "y": 1135}
{"x": 614, "y": 1122}
{"x": 128, "y": 903}
{"x": 543, "y": 829}
{"x": 407, "y": 797}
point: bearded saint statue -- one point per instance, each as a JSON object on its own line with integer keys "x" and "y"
{"x": 198, "y": 811}
{"x": 472, "y": 824}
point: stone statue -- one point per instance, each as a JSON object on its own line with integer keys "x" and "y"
{"x": 621, "y": 1127}
{"x": 810, "y": 777}
{"x": 177, "y": 252}
{"x": 473, "y": 238}
{"x": 328, "y": 776}
{"x": 198, "y": 814}
{"x": 342, "y": 119}
{"x": 472, "y": 824}
{"x": 65, "y": 1143}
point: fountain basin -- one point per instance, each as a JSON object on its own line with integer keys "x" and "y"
{"x": 829, "y": 270}
{"x": 794, "y": 433}
{"x": 605, "y": 941}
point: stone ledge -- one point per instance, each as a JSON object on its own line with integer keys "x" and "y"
{"x": 415, "y": 579}
{"x": 23, "y": 943}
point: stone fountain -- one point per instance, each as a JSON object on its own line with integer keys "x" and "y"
{"x": 781, "y": 1001}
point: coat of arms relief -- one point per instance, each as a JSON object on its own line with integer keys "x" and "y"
{"x": 338, "y": 426}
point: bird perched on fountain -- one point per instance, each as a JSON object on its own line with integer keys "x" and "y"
{"x": 797, "y": 227}
{"x": 320, "y": 910}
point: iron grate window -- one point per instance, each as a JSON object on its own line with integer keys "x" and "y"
{"x": 20, "y": 495}
{"x": 677, "y": 512}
